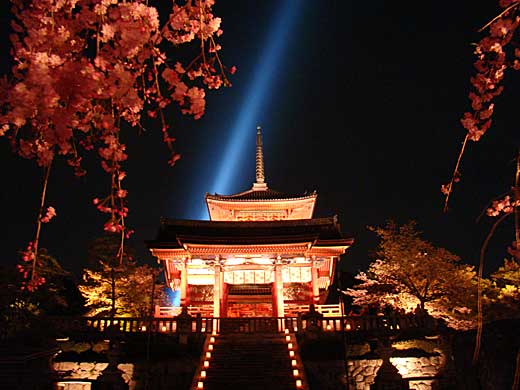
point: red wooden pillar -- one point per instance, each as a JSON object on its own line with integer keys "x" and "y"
{"x": 315, "y": 286}
{"x": 184, "y": 283}
{"x": 279, "y": 310}
{"x": 217, "y": 291}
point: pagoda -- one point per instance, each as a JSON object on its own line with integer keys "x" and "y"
{"x": 261, "y": 253}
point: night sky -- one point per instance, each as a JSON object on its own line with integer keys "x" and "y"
{"x": 362, "y": 105}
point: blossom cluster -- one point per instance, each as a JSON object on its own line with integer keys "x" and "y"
{"x": 495, "y": 53}
{"x": 49, "y": 214}
{"x": 491, "y": 63}
{"x": 84, "y": 67}
{"x": 502, "y": 206}
{"x": 30, "y": 282}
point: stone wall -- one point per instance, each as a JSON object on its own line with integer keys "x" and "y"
{"x": 362, "y": 372}
{"x": 70, "y": 371}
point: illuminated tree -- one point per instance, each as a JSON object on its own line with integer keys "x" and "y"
{"x": 84, "y": 73}
{"x": 127, "y": 292}
{"x": 410, "y": 272}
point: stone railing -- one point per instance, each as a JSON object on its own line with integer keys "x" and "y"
{"x": 187, "y": 323}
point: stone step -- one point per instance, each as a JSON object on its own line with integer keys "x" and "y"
{"x": 250, "y": 361}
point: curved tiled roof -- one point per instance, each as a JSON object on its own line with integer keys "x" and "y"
{"x": 255, "y": 194}
{"x": 172, "y": 232}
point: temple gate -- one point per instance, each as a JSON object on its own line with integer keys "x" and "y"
{"x": 260, "y": 254}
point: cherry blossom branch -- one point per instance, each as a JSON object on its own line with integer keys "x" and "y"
{"x": 480, "y": 322}
{"x": 514, "y": 5}
{"x": 81, "y": 67}
{"x": 516, "y": 197}
{"x": 39, "y": 222}
{"x": 448, "y": 189}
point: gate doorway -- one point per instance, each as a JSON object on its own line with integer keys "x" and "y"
{"x": 249, "y": 300}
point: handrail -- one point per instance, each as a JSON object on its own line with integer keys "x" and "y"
{"x": 198, "y": 324}
{"x": 291, "y": 310}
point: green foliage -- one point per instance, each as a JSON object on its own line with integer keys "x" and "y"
{"x": 22, "y": 310}
{"x": 119, "y": 288}
{"x": 106, "y": 249}
{"x": 59, "y": 295}
{"x": 127, "y": 290}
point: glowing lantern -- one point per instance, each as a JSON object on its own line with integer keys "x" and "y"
{"x": 295, "y": 372}
{"x": 163, "y": 328}
{"x": 288, "y": 338}
{"x": 291, "y": 353}
{"x": 212, "y": 339}
{"x": 206, "y": 364}
{"x": 296, "y": 329}
{"x": 203, "y": 374}
{"x": 293, "y": 363}
{"x": 200, "y": 385}
{"x": 298, "y": 383}
{"x": 329, "y": 327}
{"x": 349, "y": 327}
{"x": 208, "y": 355}
{"x": 143, "y": 328}
{"x": 286, "y": 331}
{"x": 203, "y": 330}
{"x": 210, "y": 347}
{"x": 289, "y": 345}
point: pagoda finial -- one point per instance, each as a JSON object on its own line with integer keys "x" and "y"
{"x": 260, "y": 177}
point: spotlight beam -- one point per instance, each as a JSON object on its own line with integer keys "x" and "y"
{"x": 244, "y": 126}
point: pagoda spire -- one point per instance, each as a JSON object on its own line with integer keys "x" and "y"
{"x": 260, "y": 183}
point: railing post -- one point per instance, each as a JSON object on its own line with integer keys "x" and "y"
{"x": 184, "y": 325}
{"x": 198, "y": 322}
{"x": 314, "y": 322}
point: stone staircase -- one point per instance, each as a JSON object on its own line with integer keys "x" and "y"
{"x": 258, "y": 361}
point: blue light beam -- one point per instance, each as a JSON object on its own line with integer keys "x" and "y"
{"x": 246, "y": 122}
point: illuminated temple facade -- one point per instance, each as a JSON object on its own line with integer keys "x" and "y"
{"x": 261, "y": 253}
